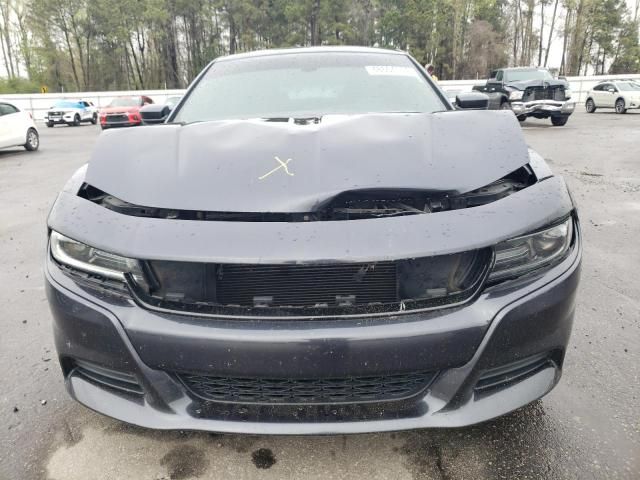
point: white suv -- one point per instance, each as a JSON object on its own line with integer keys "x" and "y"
{"x": 17, "y": 128}
{"x": 618, "y": 94}
{"x": 72, "y": 112}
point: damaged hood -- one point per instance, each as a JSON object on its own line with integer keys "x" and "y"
{"x": 264, "y": 166}
{"x": 523, "y": 84}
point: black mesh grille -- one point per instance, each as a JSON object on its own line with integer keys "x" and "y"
{"x": 544, "y": 93}
{"x": 313, "y": 290}
{"x": 117, "y": 118}
{"x": 307, "y": 391}
{"x": 307, "y": 285}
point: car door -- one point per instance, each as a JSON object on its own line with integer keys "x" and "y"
{"x": 12, "y": 128}
{"x": 609, "y": 95}
{"x": 596, "y": 95}
{"x": 87, "y": 112}
{"x": 494, "y": 89}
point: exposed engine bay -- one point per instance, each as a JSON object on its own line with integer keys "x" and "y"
{"x": 351, "y": 205}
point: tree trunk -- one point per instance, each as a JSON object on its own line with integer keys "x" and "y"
{"x": 314, "y": 23}
{"x": 553, "y": 22}
{"x": 541, "y": 32}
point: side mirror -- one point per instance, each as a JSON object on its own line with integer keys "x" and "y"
{"x": 472, "y": 101}
{"x": 154, "y": 113}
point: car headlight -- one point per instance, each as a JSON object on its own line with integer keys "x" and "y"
{"x": 516, "y": 95}
{"x": 567, "y": 94}
{"x": 521, "y": 255}
{"x": 92, "y": 261}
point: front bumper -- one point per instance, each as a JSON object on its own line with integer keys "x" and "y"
{"x": 505, "y": 324}
{"x": 131, "y": 120}
{"x": 544, "y": 107}
{"x": 66, "y": 118}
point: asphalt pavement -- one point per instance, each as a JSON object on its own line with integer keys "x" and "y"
{"x": 587, "y": 428}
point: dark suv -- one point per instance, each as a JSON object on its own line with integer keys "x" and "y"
{"x": 529, "y": 92}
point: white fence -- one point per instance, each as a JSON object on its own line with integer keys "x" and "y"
{"x": 38, "y": 104}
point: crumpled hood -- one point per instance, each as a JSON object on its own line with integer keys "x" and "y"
{"x": 260, "y": 166}
{"x": 523, "y": 84}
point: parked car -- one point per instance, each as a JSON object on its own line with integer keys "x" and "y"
{"x": 157, "y": 113}
{"x": 315, "y": 242}
{"x": 123, "y": 111}
{"x": 620, "y": 95}
{"x": 17, "y": 128}
{"x": 529, "y": 92}
{"x": 72, "y": 113}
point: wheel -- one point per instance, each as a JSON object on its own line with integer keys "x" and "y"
{"x": 559, "y": 121}
{"x": 590, "y": 106}
{"x": 76, "y": 120}
{"x": 94, "y": 119}
{"x": 521, "y": 118}
{"x": 50, "y": 124}
{"x": 33, "y": 140}
{"x": 621, "y": 106}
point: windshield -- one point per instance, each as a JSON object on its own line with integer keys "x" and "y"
{"x": 628, "y": 86}
{"x": 528, "y": 74}
{"x": 172, "y": 101}
{"x": 66, "y": 104}
{"x": 125, "y": 102}
{"x": 309, "y": 85}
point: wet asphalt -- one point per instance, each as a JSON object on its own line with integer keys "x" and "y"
{"x": 587, "y": 428}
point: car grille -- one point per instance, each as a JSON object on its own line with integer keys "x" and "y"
{"x": 314, "y": 290}
{"x": 117, "y": 118}
{"x": 307, "y": 285}
{"x": 56, "y": 114}
{"x": 555, "y": 93}
{"x": 307, "y": 391}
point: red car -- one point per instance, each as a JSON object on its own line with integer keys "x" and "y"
{"x": 123, "y": 111}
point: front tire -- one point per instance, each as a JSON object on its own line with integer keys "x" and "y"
{"x": 50, "y": 124}
{"x": 33, "y": 140}
{"x": 94, "y": 119}
{"x": 621, "y": 107}
{"x": 590, "y": 106}
{"x": 559, "y": 121}
{"x": 76, "y": 120}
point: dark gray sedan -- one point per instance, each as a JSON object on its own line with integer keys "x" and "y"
{"x": 315, "y": 241}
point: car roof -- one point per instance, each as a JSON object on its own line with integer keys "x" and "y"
{"x": 285, "y": 51}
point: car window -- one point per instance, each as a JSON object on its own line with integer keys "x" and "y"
{"x": 627, "y": 86}
{"x": 597, "y": 88}
{"x": 309, "y": 84}
{"x": 6, "y": 109}
{"x": 66, "y": 104}
{"x": 499, "y": 75}
{"x": 126, "y": 102}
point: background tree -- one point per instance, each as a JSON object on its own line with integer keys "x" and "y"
{"x": 147, "y": 44}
